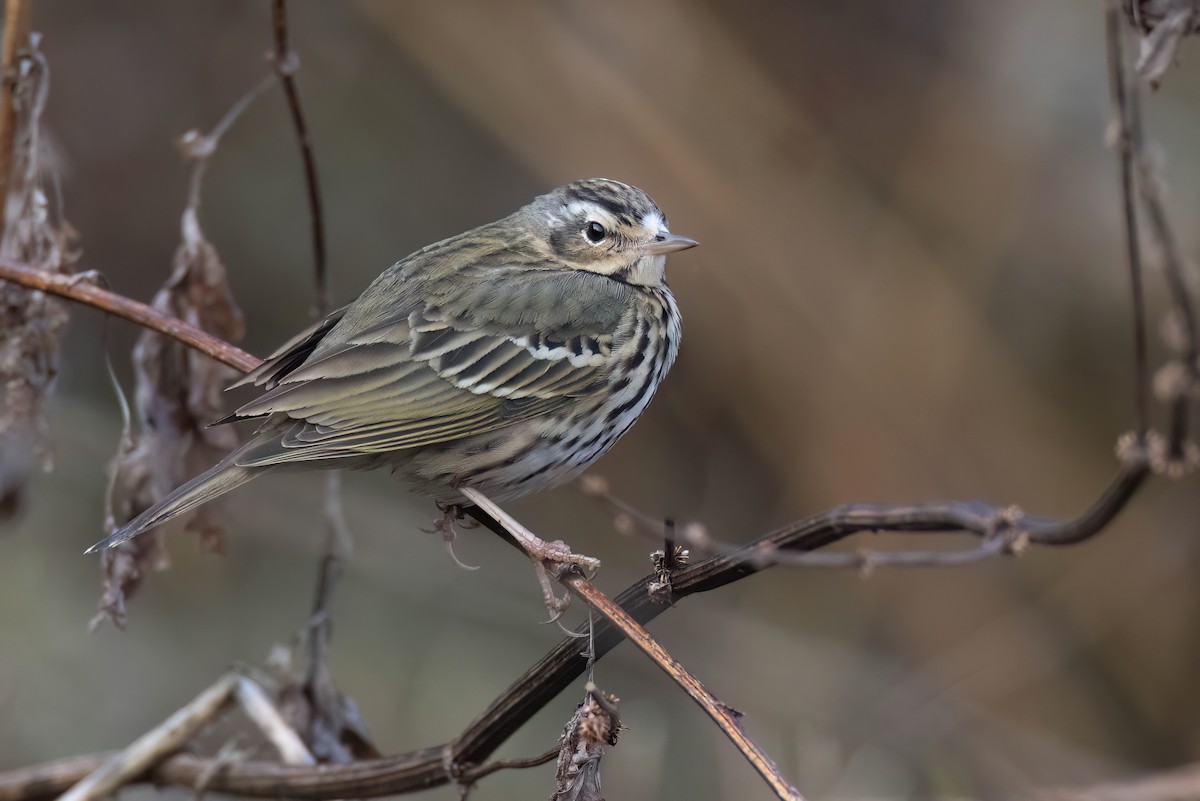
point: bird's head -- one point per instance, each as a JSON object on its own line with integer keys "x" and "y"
{"x": 605, "y": 227}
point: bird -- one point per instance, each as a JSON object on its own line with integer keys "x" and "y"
{"x": 493, "y": 364}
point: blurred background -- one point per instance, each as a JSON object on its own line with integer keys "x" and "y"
{"x": 910, "y": 288}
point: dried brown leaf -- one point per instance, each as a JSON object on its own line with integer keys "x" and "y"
{"x": 31, "y": 323}
{"x": 178, "y": 392}
{"x": 594, "y": 725}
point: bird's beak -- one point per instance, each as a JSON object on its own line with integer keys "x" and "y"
{"x": 669, "y": 243}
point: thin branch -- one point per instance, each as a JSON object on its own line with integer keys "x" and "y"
{"x": 1130, "y": 113}
{"x": 156, "y": 744}
{"x": 286, "y": 64}
{"x": 319, "y": 686}
{"x": 1118, "y": 83}
{"x": 18, "y": 16}
{"x": 473, "y": 775}
{"x": 496, "y": 519}
{"x": 726, "y": 718}
{"x": 199, "y": 147}
{"x": 1005, "y": 531}
{"x": 72, "y": 288}
{"x": 266, "y": 716}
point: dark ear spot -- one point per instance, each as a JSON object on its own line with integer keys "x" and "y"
{"x": 559, "y": 242}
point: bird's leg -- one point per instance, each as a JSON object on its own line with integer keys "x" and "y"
{"x": 551, "y": 560}
{"x": 444, "y": 526}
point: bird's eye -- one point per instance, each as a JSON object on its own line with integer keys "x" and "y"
{"x": 595, "y": 232}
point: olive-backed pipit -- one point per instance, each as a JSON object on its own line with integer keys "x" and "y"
{"x": 506, "y": 359}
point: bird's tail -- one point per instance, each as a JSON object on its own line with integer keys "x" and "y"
{"x": 217, "y": 480}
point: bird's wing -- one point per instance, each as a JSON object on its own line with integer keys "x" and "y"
{"x": 289, "y": 355}
{"x": 429, "y": 376}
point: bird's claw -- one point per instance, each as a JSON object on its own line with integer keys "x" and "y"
{"x": 553, "y": 560}
{"x": 444, "y": 527}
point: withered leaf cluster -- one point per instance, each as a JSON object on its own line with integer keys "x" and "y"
{"x": 31, "y": 323}
{"x": 178, "y": 391}
{"x": 594, "y": 725}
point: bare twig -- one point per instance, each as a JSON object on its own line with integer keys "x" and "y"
{"x": 71, "y": 288}
{"x": 1004, "y": 530}
{"x": 319, "y": 686}
{"x": 471, "y": 775}
{"x": 156, "y": 744}
{"x": 1124, "y": 145}
{"x": 726, "y": 718}
{"x": 286, "y": 64}
{"x": 1129, "y": 112}
{"x": 17, "y": 21}
{"x": 266, "y": 716}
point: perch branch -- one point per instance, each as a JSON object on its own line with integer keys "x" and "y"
{"x": 73, "y": 288}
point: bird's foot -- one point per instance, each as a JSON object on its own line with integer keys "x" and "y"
{"x": 446, "y": 527}
{"x": 551, "y": 560}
